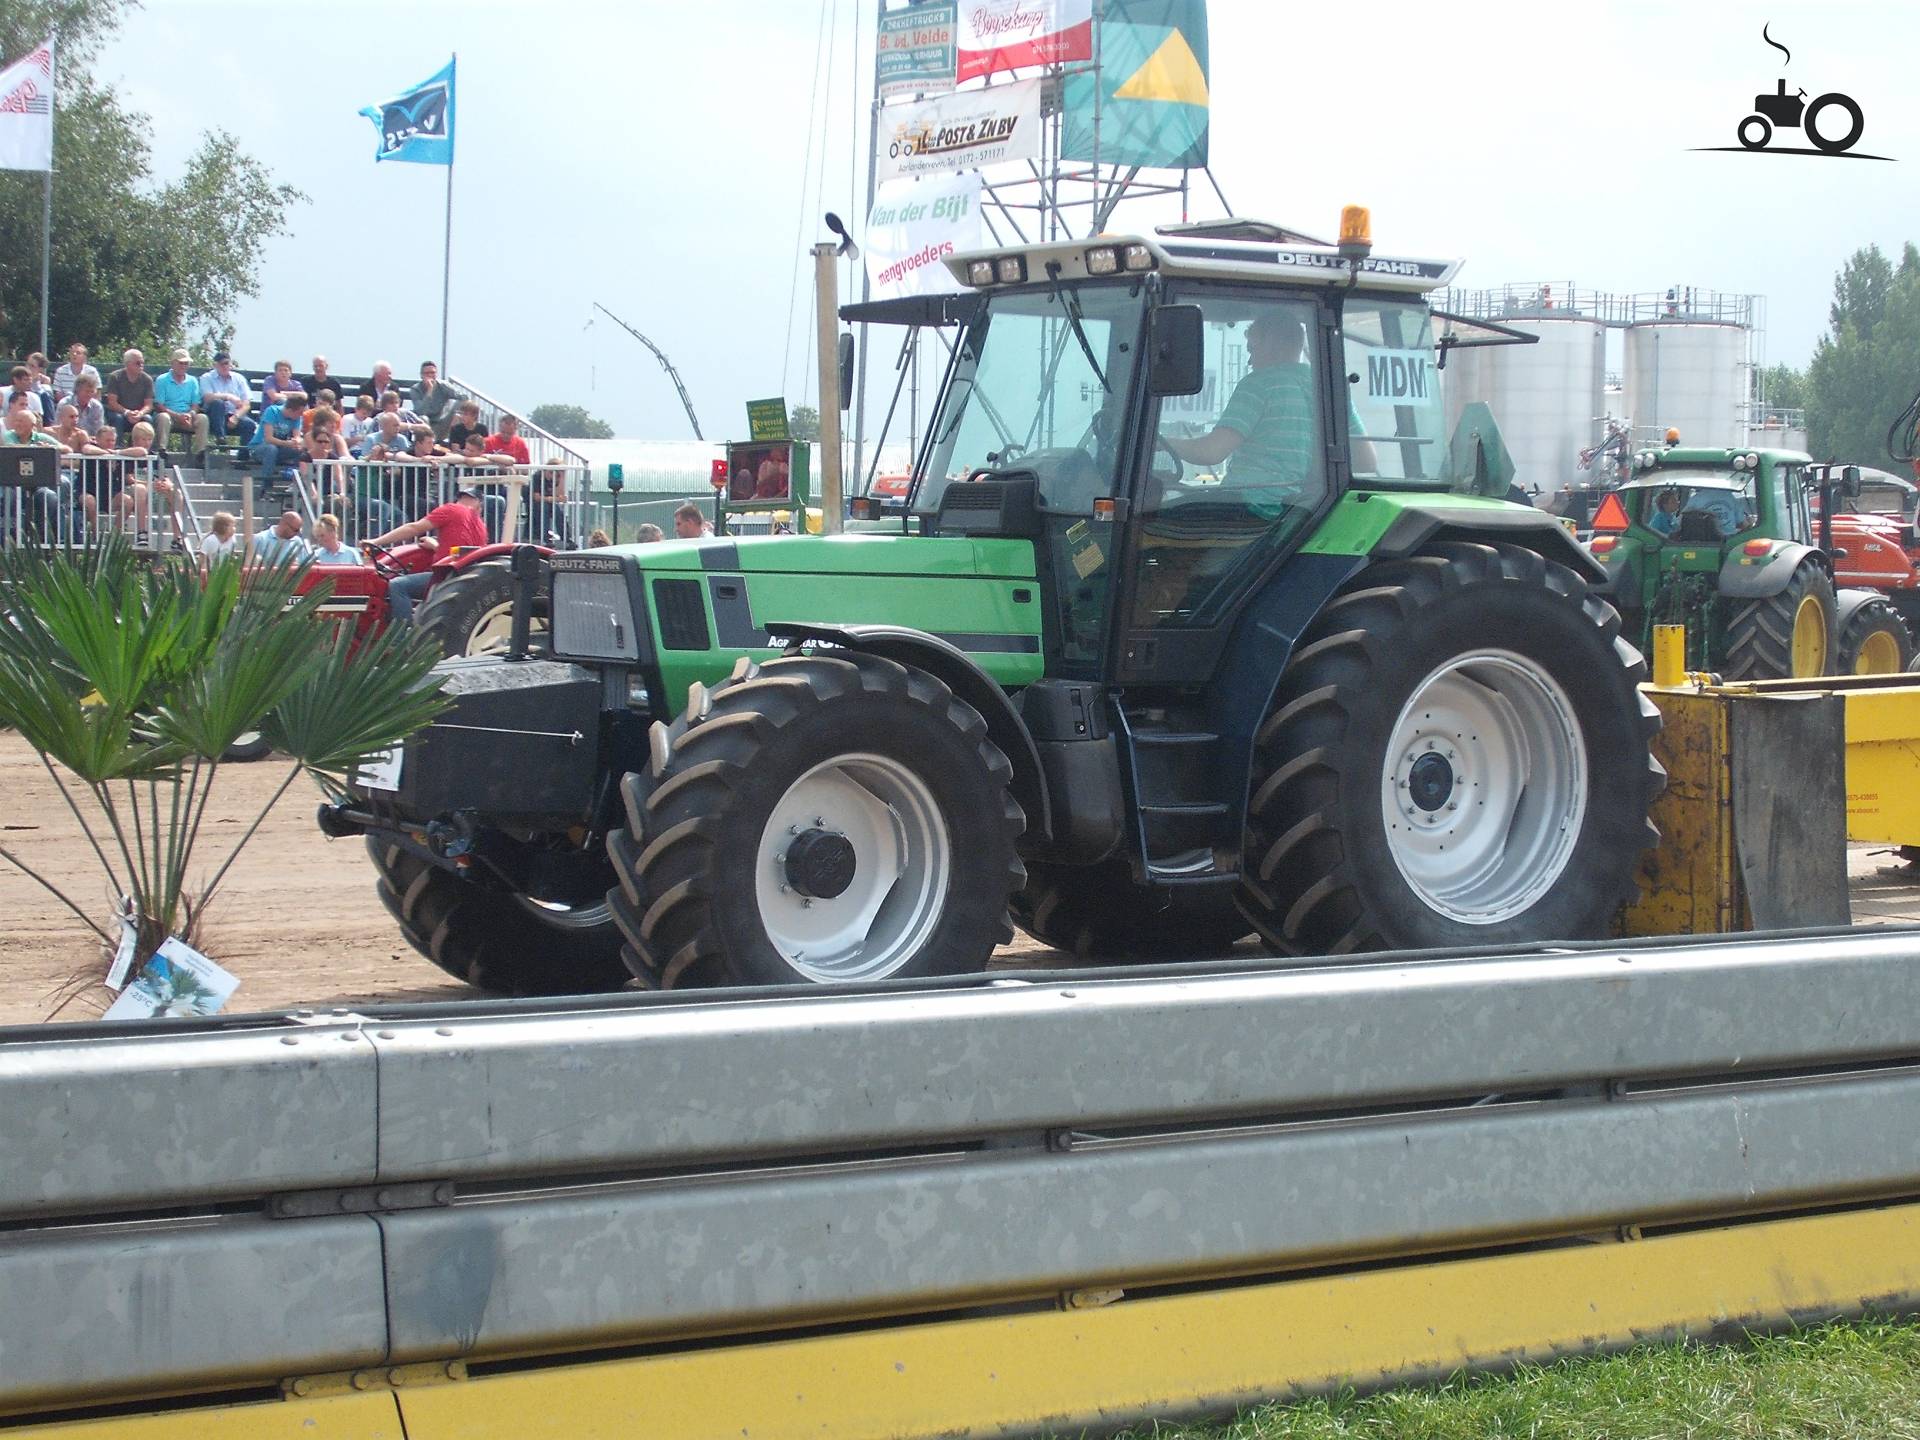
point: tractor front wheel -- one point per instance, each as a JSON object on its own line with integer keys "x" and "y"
{"x": 1874, "y": 640}
{"x": 470, "y": 612}
{"x": 1099, "y": 910}
{"x": 506, "y": 944}
{"x": 820, "y": 818}
{"x": 1784, "y": 636}
{"x": 1457, "y": 754}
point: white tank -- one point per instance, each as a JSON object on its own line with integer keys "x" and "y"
{"x": 1545, "y": 396}
{"x": 1688, "y": 376}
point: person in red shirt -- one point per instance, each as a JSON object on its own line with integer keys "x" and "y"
{"x": 456, "y": 524}
{"x": 506, "y": 446}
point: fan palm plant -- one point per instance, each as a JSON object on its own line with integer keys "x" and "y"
{"x": 135, "y": 679}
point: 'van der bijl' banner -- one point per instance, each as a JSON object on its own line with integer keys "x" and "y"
{"x": 962, "y": 131}
{"x": 1004, "y": 34}
{"x": 914, "y": 226}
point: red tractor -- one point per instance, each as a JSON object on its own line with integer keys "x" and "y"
{"x": 469, "y": 608}
{"x": 1874, "y": 542}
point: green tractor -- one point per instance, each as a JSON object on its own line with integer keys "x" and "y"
{"x": 1723, "y": 542}
{"x": 1195, "y": 628}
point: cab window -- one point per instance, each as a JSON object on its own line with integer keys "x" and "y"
{"x": 1394, "y": 414}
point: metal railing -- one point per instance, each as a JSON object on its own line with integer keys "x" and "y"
{"x": 1563, "y": 300}
{"x": 424, "y": 1183}
{"x": 545, "y": 504}
{"x": 542, "y": 446}
{"x": 137, "y": 496}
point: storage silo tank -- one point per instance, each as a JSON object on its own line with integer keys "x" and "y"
{"x": 1546, "y": 397}
{"x": 1690, "y": 376}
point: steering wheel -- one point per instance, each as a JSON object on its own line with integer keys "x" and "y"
{"x": 384, "y": 560}
{"x": 1179, "y": 471}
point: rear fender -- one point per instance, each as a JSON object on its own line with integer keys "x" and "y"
{"x": 967, "y": 680}
{"x": 1848, "y": 602}
{"x": 479, "y": 555}
{"x": 1750, "y": 577}
{"x": 1536, "y": 530}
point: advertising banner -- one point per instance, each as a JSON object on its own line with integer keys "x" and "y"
{"x": 26, "y": 112}
{"x": 999, "y": 35}
{"x": 1155, "y": 97}
{"x": 914, "y": 226}
{"x": 914, "y": 53}
{"x": 963, "y": 131}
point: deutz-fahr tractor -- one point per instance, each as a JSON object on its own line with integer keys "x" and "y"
{"x": 1723, "y": 542}
{"x": 1196, "y": 627}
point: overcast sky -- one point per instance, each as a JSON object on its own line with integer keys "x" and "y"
{"x": 650, "y": 156}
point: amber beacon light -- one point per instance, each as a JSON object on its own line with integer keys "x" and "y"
{"x": 1356, "y": 231}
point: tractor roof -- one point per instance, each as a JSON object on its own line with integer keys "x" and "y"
{"x": 1691, "y": 479}
{"x": 1233, "y": 250}
{"x": 1714, "y": 455}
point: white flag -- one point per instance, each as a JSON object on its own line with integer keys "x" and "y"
{"x": 26, "y": 112}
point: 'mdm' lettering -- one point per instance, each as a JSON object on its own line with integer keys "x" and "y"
{"x": 1392, "y": 377}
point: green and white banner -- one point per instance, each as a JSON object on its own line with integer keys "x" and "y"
{"x": 915, "y": 52}
{"x": 914, "y": 226}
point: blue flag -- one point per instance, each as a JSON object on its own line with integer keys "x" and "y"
{"x": 417, "y": 126}
{"x": 1155, "y": 98}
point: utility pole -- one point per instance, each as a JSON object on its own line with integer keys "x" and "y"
{"x": 826, "y": 285}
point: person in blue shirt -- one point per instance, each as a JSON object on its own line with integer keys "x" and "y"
{"x": 327, "y": 549}
{"x": 176, "y": 405}
{"x": 1666, "y": 513}
{"x": 226, "y": 398}
{"x": 282, "y": 544}
{"x": 278, "y": 444}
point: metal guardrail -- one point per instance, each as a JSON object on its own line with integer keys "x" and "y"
{"x": 546, "y": 504}
{"x": 1563, "y": 300}
{"x": 542, "y": 445}
{"x": 134, "y": 494}
{"x": 293, "y": 1197}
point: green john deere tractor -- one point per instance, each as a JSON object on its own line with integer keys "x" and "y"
{"x": 1723, "y": 541}
{"x": 1197, "y": 627}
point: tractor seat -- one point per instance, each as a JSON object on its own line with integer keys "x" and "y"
{"x": 1697, "y": 527}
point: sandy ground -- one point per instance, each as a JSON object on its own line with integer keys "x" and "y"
{"x": 298, "y": 920}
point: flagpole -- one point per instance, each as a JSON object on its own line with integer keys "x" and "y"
{"x": 446, "y": 260}
{"x": 46, "y": 210}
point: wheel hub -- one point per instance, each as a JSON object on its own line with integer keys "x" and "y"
{"x": 820, "y": 863}
{"x": 1430, "y": 781}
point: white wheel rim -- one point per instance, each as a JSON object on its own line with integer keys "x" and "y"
{"x": 1484, "y": 787}
{"x": 901, "y": 864}
{"x": 492, "y": 633}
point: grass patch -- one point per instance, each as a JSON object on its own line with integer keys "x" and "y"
{"x": 1834, "y": 1382}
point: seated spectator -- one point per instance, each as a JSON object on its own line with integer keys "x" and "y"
{"x": 505, "y": 448}
{"x": 23, "y": 387}
{"x": 139, "y": 441}
{"x": 67, "y": 377}
{"x": 394, "y": 403}
{"x": 66, "y": 426}
{"x": 318, "y": 400}
{"x": 282, "y": 544}
{"x": 86, "y": 399}
{"x": 466, "y": 421}
{"x": 221, "y": 541}
{"x": 176, "y": 405}
{"x": 547, "y": 508}
{"x": 455, "y": 525}
{"x": 320, "y": 379}
{"x": 432, "y": 401}
{"x": 42, "y": 382}
{"x": 39, "y": 511}
{"x": 277, "y": 443}
{"x": 281, "y": 384}
{"x": 359, "y": 424}
{"x": 129, "y": 393}
{"x": 381, "y": 382}
{"x": 690, "y": 523}
{"x": 599, "y": 539}
{"x": 226, "y": 398}
{"x": 327, "y": 547}
{"x": 647, "y": 534}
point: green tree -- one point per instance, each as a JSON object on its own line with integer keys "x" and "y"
{"x": 570, "y": 422}
{"x": 804, "y": 423}
{"x": 1867, "y": 367}
{"x": 135, "y": 261}
{"x": 1783, "y": 388}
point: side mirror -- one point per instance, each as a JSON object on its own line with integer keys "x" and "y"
{"x": 1176, "y": 351}
{"x": 1850, "y": 482}
{"x": 846, "y": 371}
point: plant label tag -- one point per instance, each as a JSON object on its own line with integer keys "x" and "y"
{"x": 178, "y": 981}
{"x": 382, "y": 771}
{"x": 122, "y": 955}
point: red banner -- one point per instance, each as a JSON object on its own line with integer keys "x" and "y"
{"x": 998, "y": 35}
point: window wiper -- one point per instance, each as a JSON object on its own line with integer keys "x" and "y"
{"x": 1069, "y": 301}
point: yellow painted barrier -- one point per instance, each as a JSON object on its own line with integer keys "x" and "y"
{"x": 1196, "y": 1353}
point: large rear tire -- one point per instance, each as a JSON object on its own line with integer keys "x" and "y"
{"x": 1098, "y": 911}
{"x": 506, "y": 944}
{"x": 1788, "y": 635}
{"x": 1457, "y": 754}
{"x": 1874, "y": 641}
{"x": 471, "y": 612}
{"x": 819, "y": 818}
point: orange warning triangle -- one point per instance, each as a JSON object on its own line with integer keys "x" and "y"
{"x": 1611, "y": 515}
{"x": 1171, "y": 73}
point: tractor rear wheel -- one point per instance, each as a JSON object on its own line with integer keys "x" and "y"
{"x": 1784, "y": 636}
{"x": 1457, "y": 754}
{"x": 1099, "y": 910}
{"x": 471, "y": 612}
{"x": 1874, "y": 641}
{"x": 507, "y": 944}
{"x": 819, "y": 818}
